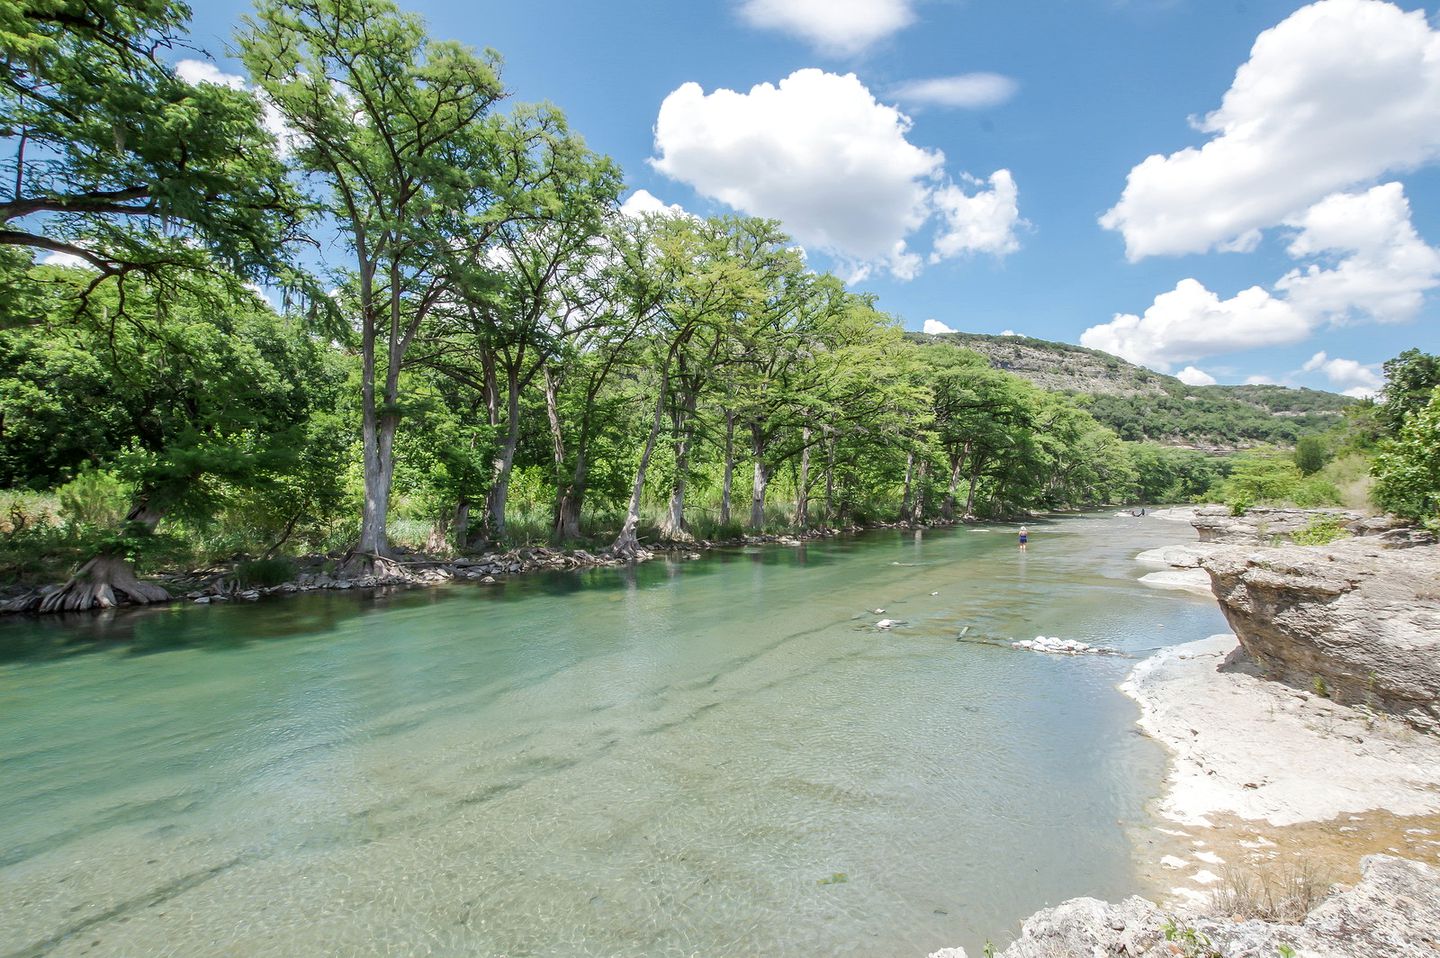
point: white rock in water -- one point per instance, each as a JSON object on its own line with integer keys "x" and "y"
{"x": 878, "y": 611}
{"x": 887, "y": 623}
{"x": 1055, "y": 645}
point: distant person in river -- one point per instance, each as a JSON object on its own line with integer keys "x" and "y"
{"x": 1024, "y": 538}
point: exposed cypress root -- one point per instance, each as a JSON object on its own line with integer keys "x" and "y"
{"x": 359, "y": 564}
{"x": 102, "y": 583}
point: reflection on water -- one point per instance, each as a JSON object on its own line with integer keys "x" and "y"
{"x": 673, "y": 759}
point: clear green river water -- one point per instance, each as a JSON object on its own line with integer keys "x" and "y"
{"x": 713, "y": 757}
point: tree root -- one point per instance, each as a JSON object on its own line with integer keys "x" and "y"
{"x": 102, "y": 583}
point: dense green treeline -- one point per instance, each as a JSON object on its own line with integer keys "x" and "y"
{"x": 1215, "y": 413}
{"x": 475, "y": 346}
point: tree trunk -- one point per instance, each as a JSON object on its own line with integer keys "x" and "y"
{"x": 672, "y": 524}
{"x": 802, "y": 486}
{"x": 947, "y": 508}
{"x": 504, "y": 461}
{"x": 371, "y": 553}
{"x": 626, "y": 543}
{"x": 974, "y": 480}
{"x": 729, "y": 480}
{"x": 917, "y": 515}
{"x": 830, "y": 482}
{"x": 761, "y": 482}
{"x": 905, "y": 499}
{"x": 460, "y": 525}
{"x": 571, "y": 501}
{"x": 379, "y": 455}
{"x": 105, "y": 580}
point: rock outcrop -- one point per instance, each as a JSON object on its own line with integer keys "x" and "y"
{"x": 1394, "y": 911}
{"x": 1355, "y": 620}
{"x": 1260, "y": 524}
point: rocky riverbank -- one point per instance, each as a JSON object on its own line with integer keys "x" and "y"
{"x": 407, "y": 570}
{"x": 1300, "y": 746}
{"x": 1393, "y": 911}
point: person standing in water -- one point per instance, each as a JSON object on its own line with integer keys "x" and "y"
{"x": 1024, "y": 538}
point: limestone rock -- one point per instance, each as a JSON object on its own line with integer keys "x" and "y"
{"x": 1352, "y": 620}
{"x": 1260, "y": 524}
{"x": 1394, "y": 911}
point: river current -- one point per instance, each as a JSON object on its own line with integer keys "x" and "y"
{"x": 707, "y": 757}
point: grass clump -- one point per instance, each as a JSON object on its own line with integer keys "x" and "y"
{"x": 1284, "y": 893}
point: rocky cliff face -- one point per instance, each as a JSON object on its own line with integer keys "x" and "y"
{"x": 1358, "y": 620}
{"x": 1394, "y": 911}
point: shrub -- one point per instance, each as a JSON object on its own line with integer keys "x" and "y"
{"x": 1284, "y": 893}
{"x": 264, "y": 573}
{"x": 96, "y": 499}
{"x": 1322, "y": 531}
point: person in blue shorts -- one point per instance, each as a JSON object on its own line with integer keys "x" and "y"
{"x": 1024, "y": 537}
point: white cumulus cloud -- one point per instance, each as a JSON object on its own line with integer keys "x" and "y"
{"x": 642, "y": 202}
{"x": 1386, "y": 270}
{"x": 834, "y": 26}
{"x": 1191, "y": 376}
{"x": 980, "y": 222}
{"x": 936, "y": 328}
{"x": 818, "y": 152}
{"x": 1353, "y": 378}
{"x": 1372, "y": 264}
{"x": 1338, "y": 93}
{"x": 971, "y": 91}
{"x": 1190, "y": 322}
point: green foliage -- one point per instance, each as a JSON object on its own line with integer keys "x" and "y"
{"x": 1407, "y": 467}
{"x": 123, "y": 165}
{"x": 95, "y": 498}
{"x": 263, "y": 573}
{"x": 1410, "y": 382}
{"x": 1320, "y": 688}
{"x": 1311, "y": 455}
{"x": 1190, "y": 941}
{"x": 1270, "y": 477}
{"x": 1322, "y": 530}
{"x": 1166, "y": 474}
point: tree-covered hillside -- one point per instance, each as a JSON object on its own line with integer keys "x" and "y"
{"x": 1140, "y": 404}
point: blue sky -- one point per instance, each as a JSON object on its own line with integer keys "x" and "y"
{"x": 1297, "y": 221}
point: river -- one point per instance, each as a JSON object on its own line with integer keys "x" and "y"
{"x": 705, "y": 757}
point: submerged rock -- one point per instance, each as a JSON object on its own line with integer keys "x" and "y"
{"x": 1394, "y": 911}
{"x": 1354, "y": 621}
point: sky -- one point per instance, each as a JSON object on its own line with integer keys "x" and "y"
{"x": 1225, "y": 191}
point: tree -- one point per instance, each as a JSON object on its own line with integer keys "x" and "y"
{"x": 393, "y": 125}
{"x": 1311, "y": 455}
{"x": 514, "y": 304}
{"x": 187, "y": 407}
{"x": 1410, "y": 379}
{"x": 118, "y": 163}
{"x": 1407, "y": 468}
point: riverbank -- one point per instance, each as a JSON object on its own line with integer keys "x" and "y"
{"x": 1269, "y": 762}
{"x": 408, "y": 570}
{"x": 1264, "y": 776}
{"x": 1277, "y": 797}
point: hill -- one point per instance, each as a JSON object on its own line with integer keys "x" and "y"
{"x": 1140, "y": 404}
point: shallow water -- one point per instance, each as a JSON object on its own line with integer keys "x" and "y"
{"x": 713, "y": 757}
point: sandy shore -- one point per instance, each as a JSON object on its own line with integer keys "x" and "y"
{"x": 1262, "y": 772}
